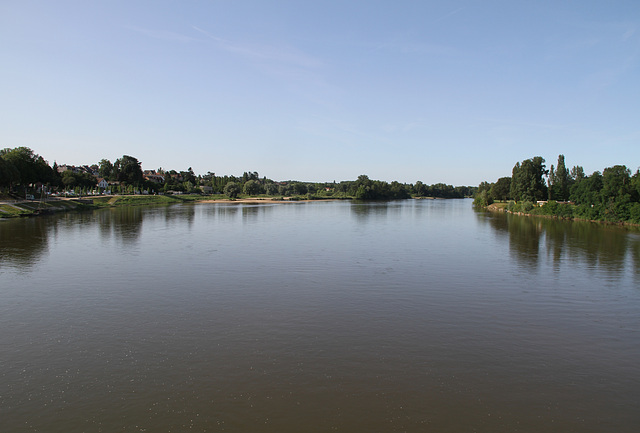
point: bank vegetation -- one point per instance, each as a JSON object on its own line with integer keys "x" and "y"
{"x": 25, "y": 176}
{"x": 611, "y": 196}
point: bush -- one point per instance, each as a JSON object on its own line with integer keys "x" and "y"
{"x": 232, "y": 190}
{"x": 523, "y": 206}
{"x": 482, "y": 199}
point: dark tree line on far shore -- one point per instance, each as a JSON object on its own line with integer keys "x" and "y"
{"x": 21, "y": 169}
{"x": 611, "y": 195}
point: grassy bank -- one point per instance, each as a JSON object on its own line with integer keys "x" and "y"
{"x": 611, "y": 213}
{"x": 140, "y": 200}
{"x": 12, "y": 208}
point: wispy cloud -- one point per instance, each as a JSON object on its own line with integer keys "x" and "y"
{"x": 450, "y": 14}
{"x": 416, "y": 48}
{"x": 299, "y": 72}
{"x": 263, "y": 52}
{"x": 162, "y": 35}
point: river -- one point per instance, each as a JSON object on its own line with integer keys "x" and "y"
{"x": 407, "y": 316}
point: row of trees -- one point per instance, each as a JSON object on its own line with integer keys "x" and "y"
{"x": 610, "y": 195}
{"x": 363, "y": 188}
{"x": 126, "y": 169}
{"x": 22, "y": 167}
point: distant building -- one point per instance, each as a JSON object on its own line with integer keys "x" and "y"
{"x": 152, "y": 176}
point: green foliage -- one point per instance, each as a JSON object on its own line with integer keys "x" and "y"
{"x": 9, "y": 174}
{"x": 482, "y": 199}
{"x": 526, "y": 180}
{"x": 501, "y": 189}
{"x": 616, "y": 182}
{"x": 105, "y": 169}
{"x": 300, "y": 188}
{"x": 613, "y": 196}
{"x": 271, "y": 189}
{"x": 252, "y": 187}
{"x": 21, "y": 166}
{"x": 523, "y": 206}
{"x": 420, "y": 189}
{"x": 559, "y": 181}
{"x": 128, "y": 169}
{"x": 232, "y": 190}
{"x": 587, "y": 190}
{"x": 82, "y": 180}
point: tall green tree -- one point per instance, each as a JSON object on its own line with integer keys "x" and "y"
{"x": 105, "y": 169}
{"x": 616, "y": 183}
{"x": 252, "y": 187}
{"x": 30, "y": 166}
{"x": 420, "y": 189}
{"x": 9, "y": 174}
{"x": 587, "y": 190}
{"x": 577, "y": 173}
{"x": 501, "y": 189}
{"x": 232, "y": 189}
{"x": 559, "y": 181}
{"x": 129, "y": 170}
{"x": 564, "y": 178}
{"x": 527, "y": 183}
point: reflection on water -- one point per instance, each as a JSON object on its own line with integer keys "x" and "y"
{"x": 532, "y": 240}
{"x": 22, "y": 242}
{"x": 125, "y": 224}
{"x": 359, "y": 317}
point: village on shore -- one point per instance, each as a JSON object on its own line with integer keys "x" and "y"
{"x": 29, "y": 185}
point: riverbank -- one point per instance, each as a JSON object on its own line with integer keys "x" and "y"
{"x": 29, "y": 208}
{"x": 504, "y": 207}
{"x": 10, "y": 208}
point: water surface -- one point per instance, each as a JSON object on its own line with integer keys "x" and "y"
{"x": 414, "y": 316}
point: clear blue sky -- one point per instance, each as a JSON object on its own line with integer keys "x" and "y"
{"x": 438, "y": 91}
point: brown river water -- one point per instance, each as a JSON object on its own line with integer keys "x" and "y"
{"x": 408, "y": 316}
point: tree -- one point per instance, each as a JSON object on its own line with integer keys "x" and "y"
{"x": 635, "y": 183}
{"x": 300, "y": 188}
{"x": 559, "y": 181}
{"x": 500, "y": 190}
{"x": 398, "y": 191}
{"x": 362, "y": 188}
{"x": 232, "y": 190}
{"x": 252, "y": 187}
{"x": 577, "y": 173}
{"x": 31, "y": 167}
{"x": 68, "y": 179}
{"x": 588, "y": 190}
{"x": 482, "y": 199}
{"x": 271, "y": 188}
{"x": 128, "y": 169}
{"x": 105, "y": 169}
{"x": 420, "y": 189}
{"x": 189, "y": 176}
{"x": 527, "y": 182}
{"x": 81, "y": 180}
{"x": 562, "y": 180}
{"x": 9, "y": 174}
{"x": 616, "y": 182}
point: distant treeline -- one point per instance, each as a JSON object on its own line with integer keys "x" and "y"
{"x": 612, "y": 195}
{"x": 21, "y": 169}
